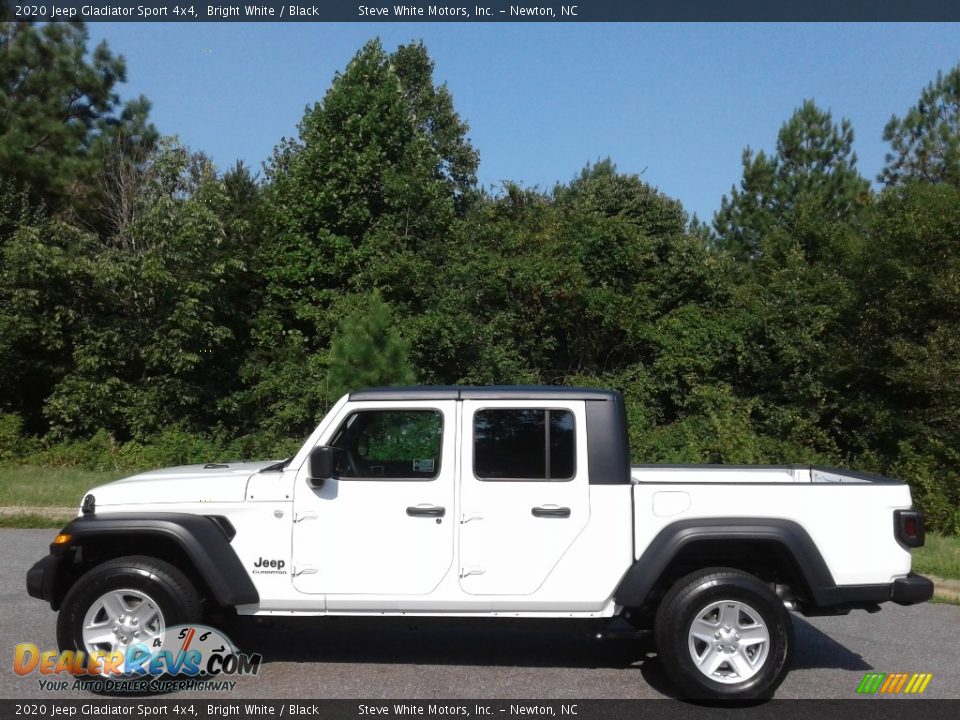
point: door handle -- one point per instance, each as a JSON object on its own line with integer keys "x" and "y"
{"x": 426, "y": 511}
{"x": 551, "y": 511}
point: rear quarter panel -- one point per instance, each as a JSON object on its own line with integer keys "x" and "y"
{"x": 851, "y": 524}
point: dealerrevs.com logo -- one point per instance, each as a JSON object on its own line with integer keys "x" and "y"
{"x": 182, "y": 657}
{"x": 894, "y": 683}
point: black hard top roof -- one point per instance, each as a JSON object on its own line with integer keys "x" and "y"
{"x": 484, "y": 392}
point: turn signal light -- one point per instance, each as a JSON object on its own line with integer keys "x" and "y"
{"x": 61, "y": 539}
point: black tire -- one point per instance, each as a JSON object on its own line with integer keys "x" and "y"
{"x": 694, "y": 595}
{"x": 165, "y": 585}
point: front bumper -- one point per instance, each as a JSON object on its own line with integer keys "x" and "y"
{"x": 43, "y": 577}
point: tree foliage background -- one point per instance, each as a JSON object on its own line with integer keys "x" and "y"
{"x": 149, "y": 300}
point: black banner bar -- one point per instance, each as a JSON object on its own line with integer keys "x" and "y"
{"x": 228, "y": 707}
{"x": 483, "y": 11}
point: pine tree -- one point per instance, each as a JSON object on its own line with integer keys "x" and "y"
{"x": 926, "y": 141}
{"x": 812, "y": 174}
{"x": 60, "y": 113}
{"x": 367, "y": 350}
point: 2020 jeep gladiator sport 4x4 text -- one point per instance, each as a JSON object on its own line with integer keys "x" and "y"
{"x": 491, "y": 501}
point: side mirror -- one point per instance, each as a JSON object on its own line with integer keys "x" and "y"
{"x": 323, "y": 464}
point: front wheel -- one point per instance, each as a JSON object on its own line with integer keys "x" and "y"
{"x": 125, "y": 602}
{"x": 724, "y": 634}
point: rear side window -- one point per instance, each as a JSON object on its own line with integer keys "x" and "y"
{"x": 391, "y": 444}
{"x": 524, "y": 444}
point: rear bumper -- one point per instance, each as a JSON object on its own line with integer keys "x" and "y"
{"x": 907, "y": 590}
{"x": 911, "y": 590}
{"x": 841, "y": 599}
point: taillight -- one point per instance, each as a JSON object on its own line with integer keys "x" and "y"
{"x": 908, "y": 527}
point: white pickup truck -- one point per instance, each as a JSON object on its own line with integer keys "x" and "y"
{"x": 483, "y": 502}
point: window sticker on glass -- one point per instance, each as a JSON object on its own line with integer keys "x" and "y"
{"x": 424, "y": 465}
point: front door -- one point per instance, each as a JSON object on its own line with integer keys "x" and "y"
{"x": 525, "y": 495}
{"x": 385, "y": 525}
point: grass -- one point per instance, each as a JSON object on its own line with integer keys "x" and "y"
{"x": 28, "y": 486}
{"x": 29, "y": 521}
{"x": 939, "y": 556}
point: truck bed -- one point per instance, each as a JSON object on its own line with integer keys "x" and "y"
{"x": 848, "y": 515}
{"x": 751, "y": 474}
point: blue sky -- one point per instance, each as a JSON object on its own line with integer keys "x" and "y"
{"x": 675, "y": 102}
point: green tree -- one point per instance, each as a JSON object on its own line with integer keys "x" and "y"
{"x": 366, "y": 197}
{"x": 904, "y": 382}
{"x": 16, "y": 209}
{"x": 243, "y": 195}
{"x": 60, "y": 113}
{"x": 793, "y": 313}
{"x": 157, "y": 331}
{"x": 925, "y": 142}
{"x": 367, "y": 350}
{"x": 48, "y": 273}
{"x": 796, "y": 224}
{"x": 638, "y": 264}
{"x": 574, "y": 285}
{"x": 813, "y": 172}
{"x": 432, "y": 108}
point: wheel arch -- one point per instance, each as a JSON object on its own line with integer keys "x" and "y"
{"x": 775, "y": 549}
{"x": 198, "y": 545}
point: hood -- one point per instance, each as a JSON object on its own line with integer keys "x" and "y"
{"x": 214, "y": 482}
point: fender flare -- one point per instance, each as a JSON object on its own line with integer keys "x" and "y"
{"x": 640, "y": 578}
{"x": 204, "y": 539}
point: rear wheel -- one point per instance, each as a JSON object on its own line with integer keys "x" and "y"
{"x": 723, "y": 634}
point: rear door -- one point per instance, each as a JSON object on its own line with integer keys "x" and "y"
{"x": 385, "y": 525}
{"x": 525, "y": 495}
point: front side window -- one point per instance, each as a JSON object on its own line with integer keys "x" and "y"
{"x": 391, "y": 444}
{"x": 523, "y": 444}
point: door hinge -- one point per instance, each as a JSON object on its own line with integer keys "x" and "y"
{"x": 472, "y": 570}
{"x": 304, "y": 570}
{"x": 304, "y": 515}
{"x": 467, "y": 517}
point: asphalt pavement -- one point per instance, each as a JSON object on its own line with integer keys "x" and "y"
{"x": 376, "y": 658}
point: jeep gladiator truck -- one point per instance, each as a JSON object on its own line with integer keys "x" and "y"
{"x": 491, "y": 502}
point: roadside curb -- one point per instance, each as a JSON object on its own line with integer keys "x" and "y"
{"x": 58, "y": 514}
{"x": 946, "y": 589}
